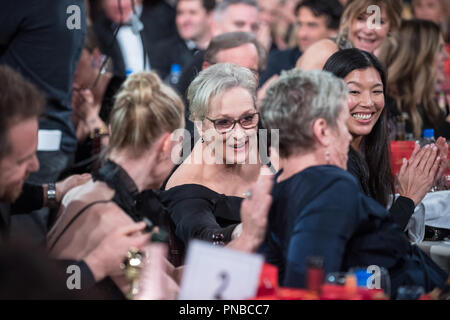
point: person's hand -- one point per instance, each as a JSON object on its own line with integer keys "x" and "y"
{"x": 416, "y": 176}
{"x": 106, "y": 258}
{"x": 254, "y": 213}
{"x": 71, "y": 182}
{"x": 84, "y": 105}
{"x": 442, "y": 146}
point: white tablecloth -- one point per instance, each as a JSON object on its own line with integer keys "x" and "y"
{"x": 434, "y": 211}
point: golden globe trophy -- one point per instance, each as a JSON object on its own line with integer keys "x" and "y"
{"x": 131, "y": 267}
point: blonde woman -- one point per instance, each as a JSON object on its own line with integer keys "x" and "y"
{"x": 415, "y": 60}
{"x": 144, "y": 117}
{"x": 365, "y": 24}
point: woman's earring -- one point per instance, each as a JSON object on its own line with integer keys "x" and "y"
{"x": 327, "y": 156}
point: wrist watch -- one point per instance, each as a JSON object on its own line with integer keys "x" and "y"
{"x": 51, "y": 195}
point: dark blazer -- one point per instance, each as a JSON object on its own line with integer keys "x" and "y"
{"x": 279, "y": 61}
{"x": 4, "y": 221}
{"x": 36, "y": 42}
{"x": 159, "y": 24}
{"x": 169, "y": 52}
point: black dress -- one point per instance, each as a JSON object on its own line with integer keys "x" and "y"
{"x": 199, "y": 212}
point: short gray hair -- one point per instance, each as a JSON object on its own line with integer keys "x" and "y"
{"x": 295, "y": 101}
{"x": 215, "y": 80}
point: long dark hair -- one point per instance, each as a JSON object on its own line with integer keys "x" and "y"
{"x": 373, "y": 161}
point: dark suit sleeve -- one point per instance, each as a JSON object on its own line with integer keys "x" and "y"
{"x": 31, "y": 198}
{"x": 160, "y": 60}
{"x": 11, "y": 15}
{"x": 402, "y": 210}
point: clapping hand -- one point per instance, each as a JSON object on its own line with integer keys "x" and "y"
{"x": 417, "y": 175}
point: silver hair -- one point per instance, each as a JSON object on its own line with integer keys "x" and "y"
{"x": 214, "y": 81}
{"x": 296, "y": 100}
{"x": 225, "y": 4}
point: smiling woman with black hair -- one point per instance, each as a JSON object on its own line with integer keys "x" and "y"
{"x": 369, "y": 156}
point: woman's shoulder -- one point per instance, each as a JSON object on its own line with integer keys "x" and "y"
{"x": 318, "y": 182}
{"x": 189, "y": 191}
{"x": 327, "y": 174}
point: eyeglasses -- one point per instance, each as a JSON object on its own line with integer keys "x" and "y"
{"x": 248, "y": 121}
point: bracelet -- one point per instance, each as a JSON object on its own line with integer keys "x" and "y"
{"x": 98, "y": 133}
{"x": 51, "y": 195}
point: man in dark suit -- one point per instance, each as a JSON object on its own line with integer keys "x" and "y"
{"x": 128, "y": 45}
{"x": 194, "y": 33}
{"x": 42, "y": 40}
{"x": 228, "y": 16}
{"x": 316, "y": 20}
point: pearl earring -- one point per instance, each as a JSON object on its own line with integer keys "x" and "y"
{"x": 327, "y": 156}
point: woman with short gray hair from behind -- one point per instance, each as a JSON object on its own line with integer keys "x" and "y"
{"x": 318, "y": 209}
{"x": 205, "y": 193}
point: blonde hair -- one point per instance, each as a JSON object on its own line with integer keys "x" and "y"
{"x": 354, "y": 8}
{"x": 408, "y": 58}
{"x": 144, "y": 109}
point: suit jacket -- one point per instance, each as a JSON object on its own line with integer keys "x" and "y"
{"x": 159, "y": 24}
{"x": 279, "y": 61}
{"x": 31, "y": 198}
{"x": 36, "y": 42}
{"x": 169, "y": 52}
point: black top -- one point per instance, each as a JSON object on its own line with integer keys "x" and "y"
{"x": 140, "y": 206}
{"x": 320, "y": 212}
{"x": 279, "y": 61}
{"x": 401, "y": 210}
{"x": 36, "y": 42}
{"x": 199, "y": 212}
